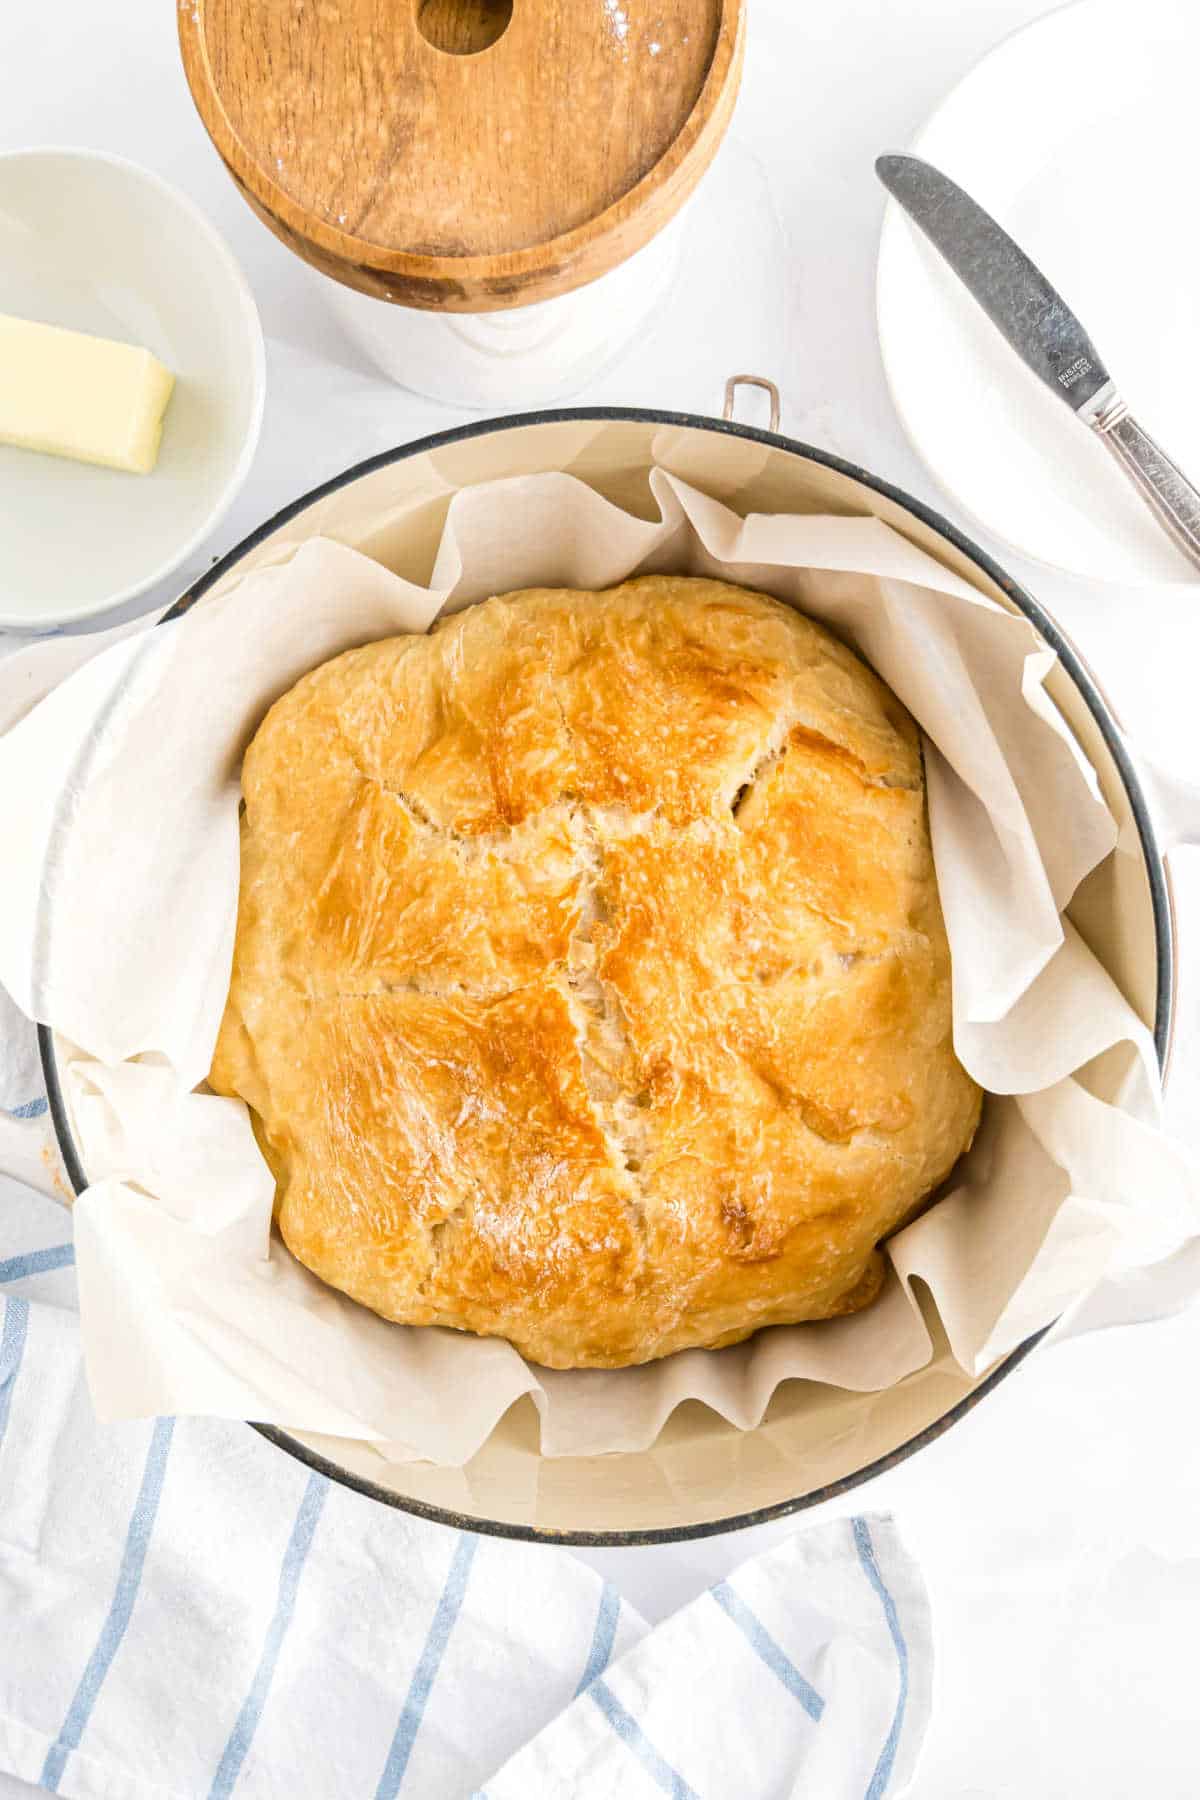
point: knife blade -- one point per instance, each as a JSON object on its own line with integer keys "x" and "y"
{"x": 996, "y": 272}
{"x": 1040, "y": 326}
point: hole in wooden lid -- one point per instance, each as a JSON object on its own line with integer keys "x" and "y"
{"x": 463, "y": 27}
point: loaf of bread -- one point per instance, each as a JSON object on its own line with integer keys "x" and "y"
{"x": 590, "y": 986}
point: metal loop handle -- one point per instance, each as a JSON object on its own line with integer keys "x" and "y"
{"x": 758, "y": 381}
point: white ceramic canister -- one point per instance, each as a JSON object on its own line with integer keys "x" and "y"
{"x": 540, "y": 352}
{"x": 493, "y": 186}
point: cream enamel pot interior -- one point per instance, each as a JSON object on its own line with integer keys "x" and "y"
{"x": 703, "y": 1475}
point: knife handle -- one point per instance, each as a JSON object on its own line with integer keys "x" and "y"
{"x": 1161, "y": 482}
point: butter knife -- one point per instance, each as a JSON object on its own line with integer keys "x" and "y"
{"x": 1044, "y": 332}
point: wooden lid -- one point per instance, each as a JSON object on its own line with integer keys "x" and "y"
{"x": 464, "y": 154}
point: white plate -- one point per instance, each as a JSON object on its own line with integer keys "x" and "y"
{"x": 1081, "y": 135}
{"x": 94, "y": 243}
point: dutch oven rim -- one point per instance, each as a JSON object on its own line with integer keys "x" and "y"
{"x": 1152, "y": 855}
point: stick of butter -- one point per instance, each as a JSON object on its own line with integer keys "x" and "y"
{"x": 74, "y": 395}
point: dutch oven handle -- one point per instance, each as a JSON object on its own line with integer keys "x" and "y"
{"x": 757, "y": 381}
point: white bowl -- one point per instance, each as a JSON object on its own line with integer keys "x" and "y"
{"x": 95, "y": 243}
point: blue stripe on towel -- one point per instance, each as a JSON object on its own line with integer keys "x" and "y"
{"x": 425, "y": 1675}
{"x": 631, "y": 1734}
{"x": 887, "y": 1756}
{"x": 32, "y": 1109}
{"x": 12, "y": 1349}
{"x": 294, "y": 1558}
{"x": 764, "y": 1646}
{"x": 37, "y": 1262}
{"x": 602, "y": 1637}
{"x": 137, "y": 1542}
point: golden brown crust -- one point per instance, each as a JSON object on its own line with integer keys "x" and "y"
{"x": 590, "y": 987}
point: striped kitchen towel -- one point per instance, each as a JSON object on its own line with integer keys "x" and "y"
{"x": 186, "y": 1611}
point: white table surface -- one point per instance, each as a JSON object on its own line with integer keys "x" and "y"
{"x": 1060, "y": 1523}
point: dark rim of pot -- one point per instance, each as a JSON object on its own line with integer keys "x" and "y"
{"x": 1152, "y": 855}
